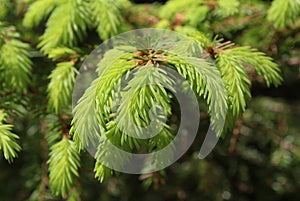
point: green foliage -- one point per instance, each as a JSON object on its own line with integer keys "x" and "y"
{"x": 53, "y": 127}
{"x": 206, "y": 81}
{"x": 143, "y": 92}
{"x": 107, "y": 16}
{"x": 63, "y": 166}
{"x": 62, "y": 52}
{"x": 231, "y": 63}
{"x": 15, "y": 64}
{"x": 15, "y": 71}
{"x": 86, "y": 114}
{"x": 4, "y": 8}
{"x": 98, "y": 94}
{"x": 200, "y": 39}
{"x": 61, "y": 86}
{"x": 69, "y": 20}
{"x": 110, "y": 77}
{"x": 196, "y": 15}
{"x": 8, "y": 142}
{"x": 38, "y": 11}
{"x": 265, "y": 131}
{"x": 227, "y": 8}
{"x": 102, "y": 172}
{"x": 15, "y": 74}
{"x": 67, "y": 25}
{"x": 236, "y": 81}
{"x": 263, "y": 64}
{"x": 192, "y": 13}
{"x": 283, "y": 12}
{"x": 174, "y": 6}
{"x": 137, "y": 101}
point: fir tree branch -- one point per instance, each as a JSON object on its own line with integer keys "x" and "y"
{"x": 38, "y": 11}
{"x": 206, "y": 81}
{"x": 236, "y": 81}
{"x": 263, "y": 64}
{"x": 93, "y": 107}
{"x": 66, "y": 26}
{"x": 8, "y": 140}
{"x": 283, "y": 12}
{"x": 63, "y": 166}
{"x": 15, "y": 66}
{"x": 146, "y": 90}
{"x": 60, "y": 86}
{"x": 108, "y": 18}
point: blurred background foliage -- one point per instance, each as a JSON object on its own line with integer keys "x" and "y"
{"x": 258, "y": 160}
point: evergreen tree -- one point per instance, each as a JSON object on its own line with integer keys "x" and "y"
{"x": 44, "y": 42}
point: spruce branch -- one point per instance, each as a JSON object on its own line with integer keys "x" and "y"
{"x": 108, "y": 81}
{"x": 114, "y": 136}
{"x": 146, "y": 90}
{"x": 102, "y": 172}
{"x": 8, "y": 139}
{"x": 231, "y": 61}
{"x": 62, "y": 79}
{"x": 93, "y": 106}
{"x": 62, "y": 53}
{"x": 110, "y": 110}
{"x": 283, "y": 12}
{"x": 236, "y": 81}
{"x": 107, "y": 16}
{"x": 38, "y": 11}
{"x": 15, "y": 65}
{"x": 63, "y": 163}
{"x": 263, "y": 64}
{"x": 206, "y": 81}
{"x": 66, "y": 26}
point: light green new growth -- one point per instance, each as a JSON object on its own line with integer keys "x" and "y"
{"x": 95, "y": 101}
{"x": 226, "y": 86}
{"x": 66, "y": 26}
{"x": 110, "y": 78}
{"x": 176, "y": 6}
{"x": 8, "y": 142}
{"x": 283, "y": 12}
{"x": 85, "y": 119}
{"x": 15, "y": 72}
{"x": 106, "y": 110}
{"x": 60, "y": 87}
{"x": 236, "y": 81}
{"x": 15, "y": 65}
{"x": 63, "y": 163}
{"x": 144, "y": 91}
{"x": 197, "y": 38}
{"x": 263, "y": 64}
{"x": 69, "y": 20}
{"x": 38, "y": 11}
{"x": 206, "y": 81}
{"x": 62, "y": 52}
{"x": 107, "y": 16}
{"x": 102, "y": 172}
{"x": 231, "y": 63}
{"x": 227, "y": 8}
